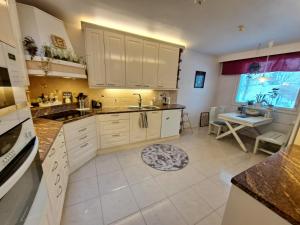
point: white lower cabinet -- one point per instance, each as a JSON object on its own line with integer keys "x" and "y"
{"x": 113, "y": 129}
{"x": 124, "y": 128}
{"x": 170, "y": 123}
{"x": 56, "y": 172}
{"x": 154, "y": 124}
{"x": 137, "y": 133}
{"x": 81, "y": 141}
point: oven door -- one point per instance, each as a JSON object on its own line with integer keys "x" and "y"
{"x": 7, "y": 99}
{"x": 19, "y": 184}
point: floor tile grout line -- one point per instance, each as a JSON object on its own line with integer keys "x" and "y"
{"x": 98, "y": 183}
{"x": 135, "y": 200}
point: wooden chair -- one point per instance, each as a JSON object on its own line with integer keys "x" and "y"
{"x": 216, "y": 125}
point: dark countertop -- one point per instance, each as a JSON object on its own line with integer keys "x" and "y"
{"x": 275, "y": 183}
{"x": 110, "y": 110}
{"x": 46, "y": 131}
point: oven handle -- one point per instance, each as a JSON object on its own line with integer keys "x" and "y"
{"x": 21, "y": 170}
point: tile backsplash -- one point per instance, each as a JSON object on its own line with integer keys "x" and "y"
{"x": 108, "y": 97}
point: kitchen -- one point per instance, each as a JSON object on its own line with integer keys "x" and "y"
{"x": 107, "y": 124}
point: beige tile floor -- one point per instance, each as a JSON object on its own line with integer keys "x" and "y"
{"x": 120, "y": 189}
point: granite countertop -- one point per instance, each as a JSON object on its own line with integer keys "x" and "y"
{"x": 46, "y": 131}
{"x": 275, "y": 183}
{"x": 110, "y": 110}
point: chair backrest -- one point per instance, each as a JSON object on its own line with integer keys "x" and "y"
{"x": 214, "y": 112}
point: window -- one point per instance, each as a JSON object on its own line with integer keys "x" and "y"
{"x": 279, "y": 89}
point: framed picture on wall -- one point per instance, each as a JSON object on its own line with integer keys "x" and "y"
{"x": 199, "y": 79}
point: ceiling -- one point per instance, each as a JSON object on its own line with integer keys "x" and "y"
{"x": 211, "y": 28}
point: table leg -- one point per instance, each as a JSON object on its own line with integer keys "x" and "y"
{"x": 233, "y": 132}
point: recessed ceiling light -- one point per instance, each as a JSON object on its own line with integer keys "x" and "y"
{"x": 199, "y": 2}
{"x": 242, "y": 28}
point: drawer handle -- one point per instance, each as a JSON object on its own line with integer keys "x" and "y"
{"x": 55, "y": 166}
{"x": 116, "y": 122}
{"x": 66, "y": 165}
{"x": 84, "y": 137}
{"x": 59, "y": 191}
{"x": 111, "y": 84}
{"x": 57, "y": 179}
{"x": 52, "y": 152}
{"x": 84, "y": 145}
{"x": 84, "y": 129}
{"x": 99, "y": 84}
{"x": 116, "y": 135}
{"x": 146, "y": 85}
{"x": 115, "y": 115}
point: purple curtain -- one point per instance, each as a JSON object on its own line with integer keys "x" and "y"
{"x": 283, "y": 62}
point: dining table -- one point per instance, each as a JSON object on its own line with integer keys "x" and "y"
{"x": 236, "y": 121}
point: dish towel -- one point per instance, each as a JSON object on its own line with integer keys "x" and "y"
{"x": 143, "y": 120}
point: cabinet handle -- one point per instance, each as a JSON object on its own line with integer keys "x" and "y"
{"x": 146, "y": 85}
{"x": 167, "y": 118}
{"x": 116, "y": 135}
{"x": 84, "y": 137}
{"x": 52, "y": 152}
{"x": 55, "y": 166}
{"x": 99, "y": 84}
{"x": 116, "y": 122}
{"x": 59, "y": 192}
{"x": 160, "y": 86}
{"x": 138, "y": 85}
{"x": 84, "y": 145}
{"x": 115, "y": 115}
{"x": 57, "y": 179}
{"x": 66, "y": 165}
{"x": 111, "y": 84}
{"x": 84, "y": 129}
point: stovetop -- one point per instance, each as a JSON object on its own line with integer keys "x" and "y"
{"x": 67, "y": 115}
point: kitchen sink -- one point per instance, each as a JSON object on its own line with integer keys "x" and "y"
{"x": 144, "y": 107}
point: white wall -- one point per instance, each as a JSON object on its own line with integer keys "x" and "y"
{"x": 197, "y": 100}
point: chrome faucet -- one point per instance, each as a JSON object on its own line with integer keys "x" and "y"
{"x": 140, "y": 99}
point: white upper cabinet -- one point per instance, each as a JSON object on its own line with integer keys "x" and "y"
{"x": 6, "y": 34}
{"x": 167, "y": 66}
{"x": 114, "y": 59}
{"x": 150, "y": 64}
{"x": 94, "y": 44}
{"x": 134, "y": 62}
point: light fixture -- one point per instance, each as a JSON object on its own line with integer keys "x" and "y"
{"x": 199, "y": 2}
{"x": 242, "y": 28}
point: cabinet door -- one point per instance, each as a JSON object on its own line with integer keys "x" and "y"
{"x": 94, "y": 45}
{"x": 6, "y": 34}
{"x": 134, "y": 62}
{"x": 114, "y": 59}
{"x": 136, "y": 133}
{"x": 154, "y": 125}
{"x": 170, "y": 123}
{"x": 167, "y": 66}
{"x": 150, "y": 64}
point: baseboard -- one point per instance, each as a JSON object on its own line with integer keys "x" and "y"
{"x": 134, "y": 145}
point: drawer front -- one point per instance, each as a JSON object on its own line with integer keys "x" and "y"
{"x": 116, "y": 139}
{"x": 55, "y": 153}
{"x": 88, "y": 146}
{"x": 79, "y": 132}
{"x": 116, "y": 126}
{"x": 115, "y": 116}
{"x": 79, "y": 124}
{"x": 83, "y": 138}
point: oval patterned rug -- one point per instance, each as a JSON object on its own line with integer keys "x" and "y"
{"x": 165, "y": 157}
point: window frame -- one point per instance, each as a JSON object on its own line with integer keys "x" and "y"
{"x": 279, "y": 109}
